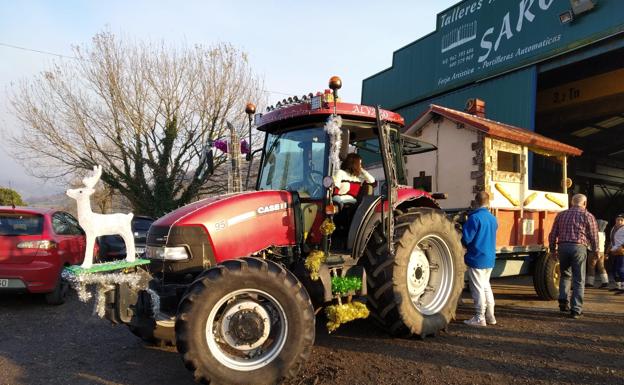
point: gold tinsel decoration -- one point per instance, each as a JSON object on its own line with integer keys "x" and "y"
{"x": 340, "y": 314}
{"x": 313, "y": 263}
{"x": 327, "y": 227}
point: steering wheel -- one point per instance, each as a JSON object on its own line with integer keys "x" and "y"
{"x": 310, "y": 186}
{"x": 314, "y": 182}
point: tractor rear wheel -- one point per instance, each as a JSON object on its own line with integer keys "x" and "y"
{"x": 546, "y": 277}
{"x": 416, "y": 291}
{"x": 245, "y": 321}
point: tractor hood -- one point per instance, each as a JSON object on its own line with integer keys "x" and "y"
{"x": 236, "y": 225}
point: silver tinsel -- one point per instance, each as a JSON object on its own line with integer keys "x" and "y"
{"x": 332, "y": 127}
{"x": 103, "y": 283}
{"x": 155, "y": 301}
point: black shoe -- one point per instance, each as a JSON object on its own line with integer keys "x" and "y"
{"x": 564, "y": 307}
{"x": 588, "y": 286}
{"x": 575, "y": 315}
{"x": 604, "y": 286}
{"x": 619, "y": 292}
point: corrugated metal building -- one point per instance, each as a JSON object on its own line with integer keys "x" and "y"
{"x": 552, "y": 66}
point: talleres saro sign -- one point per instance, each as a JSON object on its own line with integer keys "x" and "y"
{"x": 483, "y": 37}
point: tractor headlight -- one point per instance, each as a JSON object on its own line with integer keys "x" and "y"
{"x": 167, "y": 253}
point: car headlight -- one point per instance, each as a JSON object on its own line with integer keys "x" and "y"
{"x": 167, "y": 253}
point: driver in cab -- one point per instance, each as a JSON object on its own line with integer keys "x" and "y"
{"x": 351, "y": 179}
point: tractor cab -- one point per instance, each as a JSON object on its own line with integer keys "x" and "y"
{"x": 308, "y": 138}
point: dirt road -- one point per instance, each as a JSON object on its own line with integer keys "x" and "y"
{"x": 532, "y": 343}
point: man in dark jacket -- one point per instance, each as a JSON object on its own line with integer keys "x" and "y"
{"x": 573, "y": 231}
{"x": 479, "y": 238}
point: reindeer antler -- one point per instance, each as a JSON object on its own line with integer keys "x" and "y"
{"x": 91, "y": 181}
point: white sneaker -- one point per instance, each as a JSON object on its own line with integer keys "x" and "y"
{"x": 490, "y": 320}
{"x": 475, "y": 321}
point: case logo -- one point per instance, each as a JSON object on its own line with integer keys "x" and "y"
{"x": 271, "y": 208}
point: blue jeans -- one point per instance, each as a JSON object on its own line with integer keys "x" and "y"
{"x": 572, "y": 259}
{"x": 618, "y": 269}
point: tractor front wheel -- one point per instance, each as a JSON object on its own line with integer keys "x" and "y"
{"x": 245, "y": 321}
{"x": 416, "y": 291}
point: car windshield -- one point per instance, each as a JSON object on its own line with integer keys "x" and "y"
{"x": 20, "y": 224}
{"x": 141, "y": 224}
{"x": 295, "y": 161}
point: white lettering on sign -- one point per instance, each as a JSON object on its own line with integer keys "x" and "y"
{"x": 271, "y": 208}
{"x": 370, "y": 111}
{"x": 459, "y": 12}
{"x": 524, "y": 13}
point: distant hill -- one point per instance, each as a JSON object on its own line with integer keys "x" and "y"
{"x": 59, "y": 201}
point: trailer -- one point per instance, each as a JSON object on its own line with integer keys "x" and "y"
{"x": 524, "y": 173}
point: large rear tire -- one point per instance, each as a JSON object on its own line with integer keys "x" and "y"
{"x": 246, "y": 321}
{"x": 546, "y": 277}
{"x": 417, "y": 290}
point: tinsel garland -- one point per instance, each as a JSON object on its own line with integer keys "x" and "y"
{"x": 103, "y": 282}
{"x": 332, "y": 127}
{"x": 313, "y": 263}
{"x": 155, "y": 301}
{"x": 327, "y": 227}
{"x": 340, "y": 314}
{"x": 344, "y": 285}
{"x": 106, "y": 266}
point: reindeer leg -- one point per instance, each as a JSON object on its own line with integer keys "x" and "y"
{"x": 128, "y": 238}
{"x": 88, "y": 259}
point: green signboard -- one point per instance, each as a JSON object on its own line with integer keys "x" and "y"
{"x": 478, "y": 39}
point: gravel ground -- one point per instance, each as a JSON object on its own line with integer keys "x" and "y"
{"x": 532, "y": 343}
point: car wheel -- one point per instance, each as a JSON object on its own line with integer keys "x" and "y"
{"x": 59, "y": 294}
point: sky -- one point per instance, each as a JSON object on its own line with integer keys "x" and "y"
{"x": 294, "y": 46}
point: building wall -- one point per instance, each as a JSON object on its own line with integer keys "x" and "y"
{"x": 495, "y": 37}
{"x": 509, "y": 99}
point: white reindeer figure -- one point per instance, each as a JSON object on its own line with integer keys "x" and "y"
{"x": 95, "y": 224}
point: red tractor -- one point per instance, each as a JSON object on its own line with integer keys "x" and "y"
{"x": 235, "y": 280}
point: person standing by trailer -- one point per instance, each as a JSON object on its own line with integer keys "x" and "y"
{"x": 479, "y": 238}
{"x": 616, "y": 251}
{"x": 596, "y": 264}
{"x": 573, "y": 231}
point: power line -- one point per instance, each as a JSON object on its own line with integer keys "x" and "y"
{"x": 276, "y": 92}
{"x": 39, "y": 51}
{"x": 77, "y": 58}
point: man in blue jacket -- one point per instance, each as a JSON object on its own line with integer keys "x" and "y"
{"x": 479, "y": 238}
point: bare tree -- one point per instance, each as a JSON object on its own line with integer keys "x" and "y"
{"x": 143, "y": 111}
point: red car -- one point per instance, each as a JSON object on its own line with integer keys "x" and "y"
{"x": 35, "y": 245}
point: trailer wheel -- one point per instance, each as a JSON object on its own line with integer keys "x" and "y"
{"x": 546, "y": 277}
{"x": 245, "y": 321}
{"x": 417, "y": 290}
